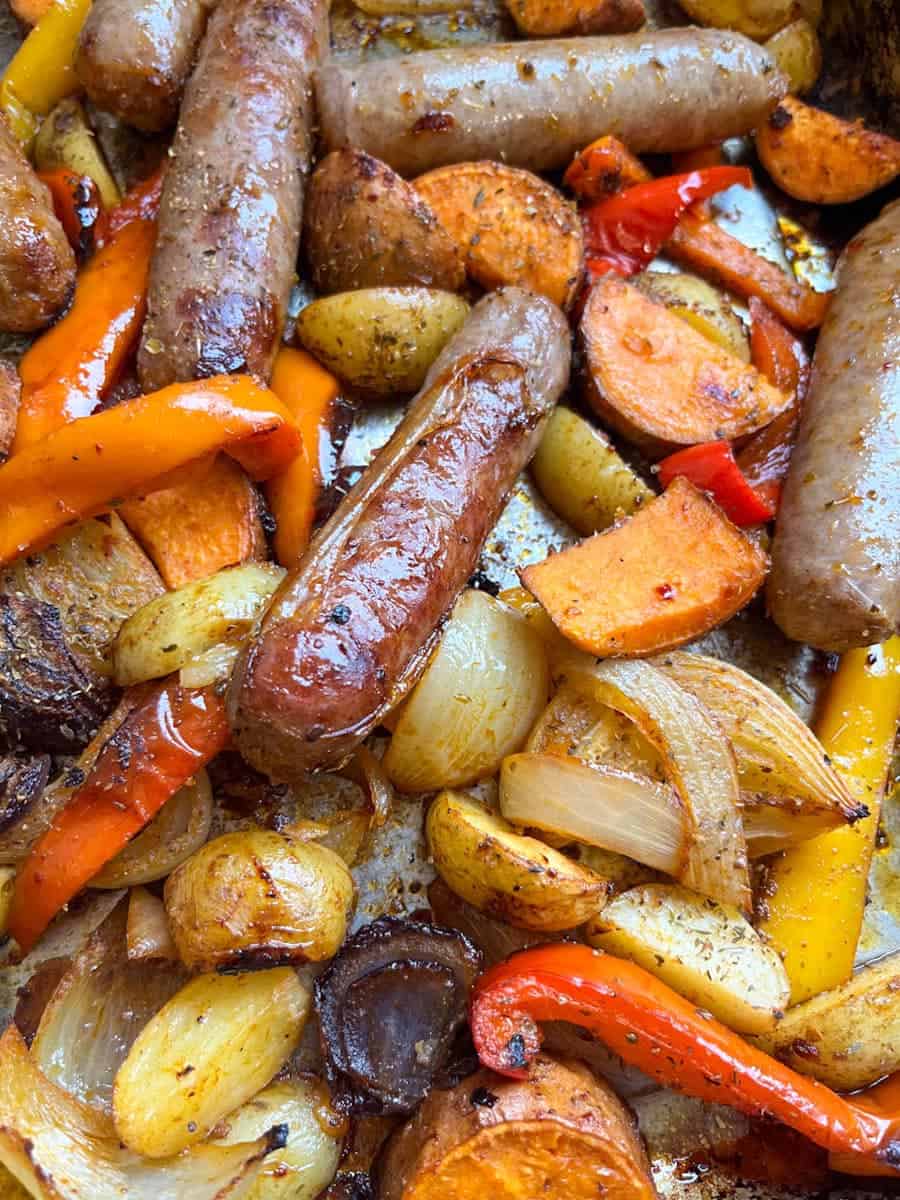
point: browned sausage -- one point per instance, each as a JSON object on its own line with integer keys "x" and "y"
{"x": 351, "y": 627}
{"x": 229, "y": 222}
{"x": 37, "y": 264}
{"x": 835, "y": 580}
{"x": 134, "y": 57}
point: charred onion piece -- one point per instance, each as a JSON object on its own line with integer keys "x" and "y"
{"x": 389, "y": 1008}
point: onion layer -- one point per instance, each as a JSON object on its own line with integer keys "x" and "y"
{"x": 147, "y": 934}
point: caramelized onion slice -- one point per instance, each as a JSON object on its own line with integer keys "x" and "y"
{"x": 147, "y": 934}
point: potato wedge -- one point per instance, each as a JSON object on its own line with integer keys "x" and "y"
{"x": 173, "y": 628}
{"x": 557, "y": 18}
{"x": 847, "y": 1037}
{"x": 701, "y": 305}
{"x": 7, "y": 880}
{"x": 582, "y": 477}
{"x": 797, "y": 52}
{"x": 365, "y": 226}
{"x": 381, "y": 340}
{"x": 65, "y": 139}
{"x": 755, "y": 18}
{"x": 211, "y": 1048}
{"x": 560, "y": 1134}
{"x": 511, "y": 226}
{"x": 306, "y": 1164}
{"x": 819, "y": 158}
{"x": 706, "y": 951}
{"x": 514, "y": 878}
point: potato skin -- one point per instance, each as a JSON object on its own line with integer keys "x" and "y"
{"x": 364, "y": 226}
{"x": 560, "y": 1134}
{"x": 258, "y": 898}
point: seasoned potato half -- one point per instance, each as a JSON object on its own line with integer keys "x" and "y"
{"x": 706, "y": 951}
{"x": 364, "y": 226}
{"x": 514, "y": 878}
{"x": 381, "y": 340}
{"x": 847, "y": 1037}
{"x": 258, "y": 897}
{"x": 755, "y": 18}
{"x": 798, "y": 54}
{"x": 210, "y": 1049}
{"x": 66, "y": 139}
{"x": 701, "y": 305}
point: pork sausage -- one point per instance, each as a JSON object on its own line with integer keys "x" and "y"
{"x": 37, "y": 264}
{"x": 229, "y": 223}
{"x": 835, "y": 580}
{"x": 134, "y": 57}
{"x": 351, "y": 627}
{"x": 534, "y": 104}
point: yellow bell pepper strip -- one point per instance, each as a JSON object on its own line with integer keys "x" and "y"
{"x": 43, "y": 68}
{"x": 88, "y": 466}
{"x": 651, "y": 1027}
{"x": 818, "y": 888}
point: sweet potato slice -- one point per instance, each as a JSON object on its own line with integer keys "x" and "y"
{"x": 200, "y": 526}
{"x": 560, "y": 1134}
{"x": 673, "y": 571}
{"x": 511, "y": 226}
{"x": 554, "y": 18}
{"x": 819, "y": 158}
{"x": 659, "y": 382}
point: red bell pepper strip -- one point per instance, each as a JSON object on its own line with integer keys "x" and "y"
{"x": 651, "y": 1027}
{"x": 161, "y": 743}
{"x": 77, "y": 204}
{"x": 140, "y": 204}
{"x": 712, "y": 467}
{"x": 625, "y": 232}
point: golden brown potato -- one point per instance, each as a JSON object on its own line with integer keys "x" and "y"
{"x": 561, "y": 1134}
{"x": 701, "y": 305}
{"x": 259, "y": 898}
{"x": 755, "y": 18}
{"x": 798, "y": 54}
{"x": 66, "y": 140}
{"x": 364, "y": 226}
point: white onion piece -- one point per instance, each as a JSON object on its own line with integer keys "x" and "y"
{"x": 699, "y": 763}
{"x": 179, "y": 828}
{"x": 632, "y": 815}
{"x": 58, "y": 1147}
{"x": 480, "y": 694}
{"x": 203, "y": 670}
{"x": 368, "y": 773}
{"x": 99, "y": 1007}
{"x": 147, "y": 934}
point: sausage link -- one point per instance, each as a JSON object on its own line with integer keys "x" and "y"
{"x": 229, "y": 223}
{"x": 134, "y": 57}
{"x": 351, "y": 627}
{"x": 535, "y": 104}
{"x": 835, "y": 580}
{"x": 37, "y": 264}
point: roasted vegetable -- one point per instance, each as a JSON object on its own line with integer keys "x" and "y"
{"x": 798, "y": 54}
{"x": 755, "y": 18}
{"x": 553, "y": 18}
{"x": 701, "y": 305}
{"x": 66, "y": 139}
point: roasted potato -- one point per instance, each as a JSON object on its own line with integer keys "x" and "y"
{"x": 706, "y": 951}
{"x": 364, "y": 226}
{"x": 65, "y": 139}
{"x": 701, "y": 305}
{"x": 381, "y": 340}
{"x": 560, "y": 1134}
{"x": 306, "y": 1164}
{"x": 256, "y": 898}
{"x": 582, "y": 477}
{"x": 847, "y": 1037}
{"x": 7, "y": 880}
{"x": 514, "y": 878}
{"x": 210, "y": 1049}
{"x": 798, "y": 54}
{"x": 755, "y": 18}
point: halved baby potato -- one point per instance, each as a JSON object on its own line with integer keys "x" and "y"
{"x": 701, "y": 305}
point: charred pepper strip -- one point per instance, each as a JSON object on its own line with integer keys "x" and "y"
{"x": 651, "y": 1027}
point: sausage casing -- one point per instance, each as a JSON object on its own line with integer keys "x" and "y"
{"x": 229, "y": 223}
{"x": 835, "y": 580}
{"x": 351, "y": 626}
{"x": 535, "y": 104}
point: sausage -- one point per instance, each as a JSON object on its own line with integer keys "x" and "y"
{"x": 835, "y": 579}
{"x": 229, "y": 223}
{"x": 134, "y": 57}
{"x": 351, "y": 627}
{"x": 534, "y": 104}
{"x": 37, "y": 264}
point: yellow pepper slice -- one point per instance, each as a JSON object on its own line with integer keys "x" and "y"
{"x": 43, "y": 69}
{"x": 815, "y": 911}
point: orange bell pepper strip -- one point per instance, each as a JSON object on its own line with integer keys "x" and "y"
{"x": 161, "y": 743}
{"x": 653, "y": 1028}
{"x": 309, "y": 392}
{"x": 140, "y": 204}
{"x": 91, "y": 465}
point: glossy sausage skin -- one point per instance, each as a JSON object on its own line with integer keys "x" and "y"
{"x": 134, "y": 57}
{"x": 229, "y": 222}
{"x": 835, "y": 579}
{"x": 351, "y": 627}
{"x": 535, "y": 104}
{"x": 37, "y": 264}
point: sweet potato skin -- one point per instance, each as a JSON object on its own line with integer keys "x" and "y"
{"x": 673, "y": 571}
{"x": 819, "y": 158}
{"x": 561, "y": 1134}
